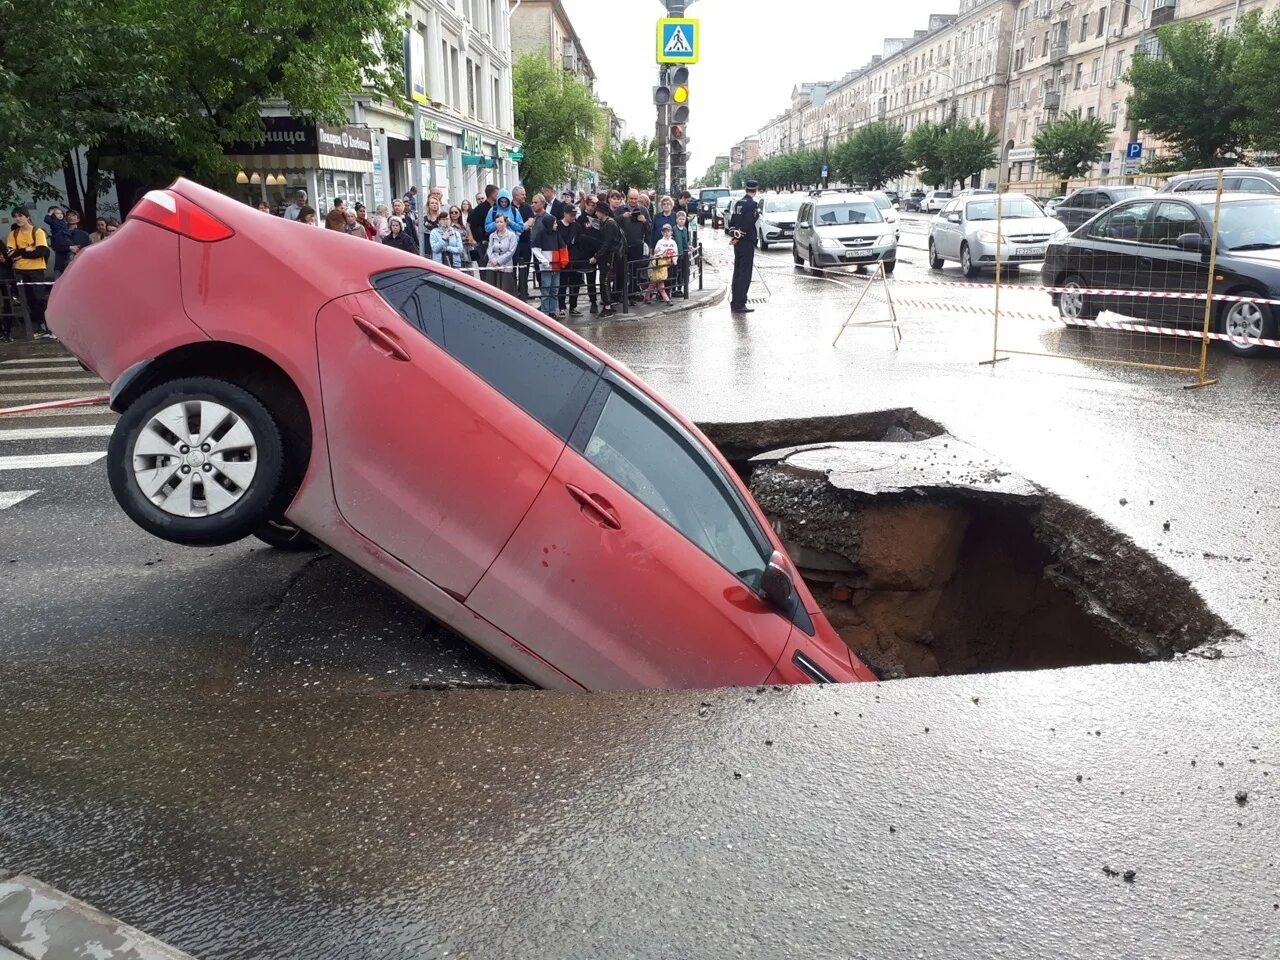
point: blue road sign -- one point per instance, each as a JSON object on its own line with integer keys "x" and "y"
{"x": 677, "y": 40}
{"x": 1135, "y": 151}
{"x": 825, "y": 170}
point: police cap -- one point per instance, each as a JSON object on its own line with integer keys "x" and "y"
{"x": 752, "y": 185}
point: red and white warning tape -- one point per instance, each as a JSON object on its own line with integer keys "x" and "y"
{"x": 1089, "y": 291}
{"x": 1187, "y": 332}
{"x": 57, "y": 405}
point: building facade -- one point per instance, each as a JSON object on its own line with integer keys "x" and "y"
{"x": 1014, "y": 65}
{"x": 743, "y": 152}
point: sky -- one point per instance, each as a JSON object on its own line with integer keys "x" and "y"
{"x": 753, "y": 54}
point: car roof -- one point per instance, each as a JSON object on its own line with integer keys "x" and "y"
{"x": 1227, "y": 171}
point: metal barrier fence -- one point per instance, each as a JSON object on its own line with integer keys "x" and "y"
{"x": 1144, "y": 284}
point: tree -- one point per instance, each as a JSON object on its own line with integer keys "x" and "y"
{"x": 715, "y": 173}
{"x": 633, "y": 166}
{"x": 1190, "y": 96}
{"x": 154, "y": 88}
{"x": 923, "y": 152}
{"x": 556, "y": 119}
{"x": 872, "y": 157}
{"x": 1255, "y": 78}
{"x": 967, "y": 150}
{"x": 1069, "y": 147}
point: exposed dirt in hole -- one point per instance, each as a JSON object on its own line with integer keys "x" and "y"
{"x": 931, "y": 560}
{"x": 740, "y": 442}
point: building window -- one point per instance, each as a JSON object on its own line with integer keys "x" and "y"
{"x": 1091, "y": 112}
{"x": 1224, "y": 25}
{"x": 1084, "y": 27}
{"x": 1117, "y": 70}
{"x": 1115, "y": 114}
{"x": 471, "y": 88}
{"x": 1097, "y": 70}
{"x": 1079, "y": 74}
{"x": 1102, "y": 22}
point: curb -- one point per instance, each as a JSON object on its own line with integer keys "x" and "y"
{"x": 676, "y": 309}
{"x": 38, "y": 922}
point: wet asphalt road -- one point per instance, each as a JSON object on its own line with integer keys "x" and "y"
{"x": 221, "y": 746}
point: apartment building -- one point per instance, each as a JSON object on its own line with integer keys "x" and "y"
{"x": 743, "y": 152}
{"x": 1016, "y": 65}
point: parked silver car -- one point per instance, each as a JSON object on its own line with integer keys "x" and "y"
{"x": 843, "y": 229}
{"x": 967, "y": 230}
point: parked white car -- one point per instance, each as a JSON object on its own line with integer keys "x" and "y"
{"x": 887, "y": 209}
{"x": 777, "y": 223}
{"x": 935, "y": 200}
{"x": 843, "y": 229}
{"x": 967, "y": 231}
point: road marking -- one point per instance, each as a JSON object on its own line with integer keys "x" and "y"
{"x": 27, "y": 371}
{"x": 42, "y": 360}
{"x": 46, "y": 461}
{"x": 69, "y": 381}
{"x": 11, "y": 498}
{"x": 56, "y": 433}
{"x": 22, "y": 399}
{"x": 95, "y": 411}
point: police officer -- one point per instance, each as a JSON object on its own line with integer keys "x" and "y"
{"x": 742, "y": 235}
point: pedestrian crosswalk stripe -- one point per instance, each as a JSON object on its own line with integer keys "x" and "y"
{"x": 45, "y": 461}
{"x": 11, "y": 498}
{"x": 41, "y": 360}
{"x": 68, "y": 381}
{"x": 55, "y": 433}
{"x": 28, "y": 371}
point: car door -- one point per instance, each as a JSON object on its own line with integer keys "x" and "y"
{"x": 1081, "y": 207}
{"x": 445, "y": 412}
{"x": 639, "y": 563}
{"x": 951, "y": 233}
{"x": 1112, "y": 257}
{"x": 1170, "y": 269}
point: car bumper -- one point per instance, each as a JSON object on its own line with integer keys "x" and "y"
{"x": 1010, "y": 253}
{"x": 777, "y": 233}
{"x": 857, "y": 255}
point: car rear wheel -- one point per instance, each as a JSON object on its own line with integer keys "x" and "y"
{"x": 966, "y": 261}
{"x": 1073, "y": 304}
{"x": 197, "y": 461}
{"x": 1247, "y": 320}
{"x": 935, "y": 261}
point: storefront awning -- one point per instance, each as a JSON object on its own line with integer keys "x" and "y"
{"x": 276, "y": 162}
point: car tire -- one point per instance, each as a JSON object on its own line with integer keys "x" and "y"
{"x": 225, "y": 490}
{"x": 889, "y": 267}
{"x": 1074, "y": 307}
{"x": 1256, "y": 320}
{"x": 763, "y": 245}
{"x": 935, "y": 261}
{"x": 795, "y": 256}
{"x": 283, "y": 535}
{"x": 966, "y": 262}
{"x": 813, "y": 267}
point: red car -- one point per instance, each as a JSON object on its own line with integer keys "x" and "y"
{"x": 490, "y": 465}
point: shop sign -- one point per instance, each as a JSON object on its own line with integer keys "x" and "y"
{"x": 472, "y": 142}
{"x": 353, "y": 143}
{"x": 291, "y": 136}
{"x": 1022, "y": 154}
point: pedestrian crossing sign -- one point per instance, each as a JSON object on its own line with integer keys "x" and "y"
{"x": 677, "y": 40}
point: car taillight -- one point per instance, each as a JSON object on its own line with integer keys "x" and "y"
{"x": 172, "y": 211}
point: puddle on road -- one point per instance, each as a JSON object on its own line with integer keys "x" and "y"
{"x": 931, "y": 560}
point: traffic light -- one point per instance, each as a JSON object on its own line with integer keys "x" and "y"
{"x": 680, "y": 85}
{"x": 679, "y": 133}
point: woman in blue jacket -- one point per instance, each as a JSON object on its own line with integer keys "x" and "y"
{"x": 446, "y": 243}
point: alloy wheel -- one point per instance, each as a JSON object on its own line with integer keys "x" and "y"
{"x": 195, "y": 458}
{"x": 1244, "y": 320}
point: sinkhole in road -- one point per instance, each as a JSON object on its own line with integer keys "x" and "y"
{"x": 930, "y": 559}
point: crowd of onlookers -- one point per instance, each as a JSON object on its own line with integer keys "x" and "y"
{"x": 576, "y": 247}
{"x": 30, "y": 250}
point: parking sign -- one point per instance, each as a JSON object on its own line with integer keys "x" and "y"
{"x": 1135, "y": 151}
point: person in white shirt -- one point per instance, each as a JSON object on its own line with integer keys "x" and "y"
{"x": 294, "y": 210}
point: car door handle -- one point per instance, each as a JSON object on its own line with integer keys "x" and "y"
{"x": 595, "y": 505}
{"x": 381, "y": 339}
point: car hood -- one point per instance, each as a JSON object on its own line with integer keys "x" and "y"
{"x": 1270, "y": 258}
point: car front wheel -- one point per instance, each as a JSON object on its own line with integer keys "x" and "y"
{"x": 795, "y": 256}
{"x": 1073, "y": 304}
{"x": 935, "y": 261}
{"x": 1247, "y": 321}
{"x": 763, "y": 245}
{"x": 966, "y": 261}
{"x": 197, "y": 461}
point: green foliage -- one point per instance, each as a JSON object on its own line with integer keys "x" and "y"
{"x": 872, "y": 157}
{"x": 1191, "y": 97}
{"x": 1256, "y": 79}
{"x": 635, "y": 165}
{"x": 923, "y": 151}
{"x": 153, "y": 88}
{"x": 1070, "y": 146}
{"x": 556, "y": 119}
{"x": 967, "y": 149}
{"x": 715, "y": 173}
{"x": 786, "y": 171}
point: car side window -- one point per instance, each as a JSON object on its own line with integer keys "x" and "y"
{"x": 1257, "y": 185}
{"x": 551, "y": 380}
{"x": 1123, "y": 223}
{"x": 656, "y": 461}
{"x": 1170, "y": 222}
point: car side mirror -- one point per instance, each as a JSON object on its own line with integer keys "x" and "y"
{"x": 775, "y": 583}
{"x": 804, "y": 223}
{"x": 1192, "y": 243}
{"x": 953, "y": 217}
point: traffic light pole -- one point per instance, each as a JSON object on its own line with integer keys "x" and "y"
{"x": 675, "y": 8}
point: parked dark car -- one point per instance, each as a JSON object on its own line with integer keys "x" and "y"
{"x": 1162, "y": 243}
{"x": 1234, "y": 179}
{"x": 912, "y": 203}
{"x": 1087, "y": 202}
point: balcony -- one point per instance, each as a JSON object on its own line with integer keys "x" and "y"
{"x": 1057, "y": 51}
{"x": 882, "y": 108}
{"x": 1052, "y": 100}
{"x": 1163, "y": 11}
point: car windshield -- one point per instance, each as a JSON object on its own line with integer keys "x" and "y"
{"x": 1013, "y": 208}
{"x": 883, "y": 202}
{"x": 1250, "y": 225}
{"x": 943, "y": 195}
{"x": 712, "y": 194}
{"x": 856, "y": 212}
{"x": 782, "y": 204}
